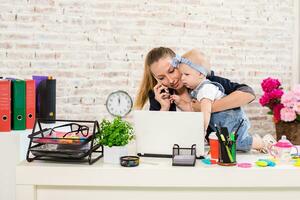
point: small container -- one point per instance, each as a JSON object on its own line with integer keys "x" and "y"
{"x": 282, "y": 150}
{"x": 214, "y": 146}
{"x": 129, "y": 161}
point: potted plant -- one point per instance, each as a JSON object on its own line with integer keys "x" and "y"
{"x": 114, "y": 136}
{"x": 285, "y": 108}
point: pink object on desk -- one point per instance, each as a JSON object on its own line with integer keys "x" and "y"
{"x": 244, "y": 165}
{"x": 282, "y": 149}
{"x": 57, "y": 138}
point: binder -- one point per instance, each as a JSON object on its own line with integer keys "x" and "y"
{"x": 30, "y": 103}
{"x": 45, "y": 98}
{"x": 18, "y": 105}
{"x": 38, "y": 80}
{"x": 5, "y": 105}
{"x": 47, "y": 90}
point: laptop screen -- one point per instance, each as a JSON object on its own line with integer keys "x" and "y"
{"x": 157, "y": 131}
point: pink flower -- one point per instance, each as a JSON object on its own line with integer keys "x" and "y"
{"x": 296, "y": 108}
{"x": 276, "y": 111}
{"x": 276, "y": 94}
{"x": 264, "y": 100}
{"x": 270, "y": 84}
{"x": 284, "y": 106}
{"x": 288, "y": 99}
{"x": 287, "y": 114}
{"x": 271, "y": 99}
{"x": 296, "y": 91}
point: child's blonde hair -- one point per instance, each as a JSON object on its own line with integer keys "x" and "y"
{"x": 197, "y": 57}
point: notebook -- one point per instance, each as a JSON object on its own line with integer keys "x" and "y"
{"x": 157, "y": 131}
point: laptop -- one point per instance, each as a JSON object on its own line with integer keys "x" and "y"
{"x": 157, "y": 131}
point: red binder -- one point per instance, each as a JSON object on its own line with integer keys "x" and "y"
{"x": 30, "y": 103}
{"x": 5, "y": 107}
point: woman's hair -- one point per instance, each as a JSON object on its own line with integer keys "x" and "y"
{"x": 148, "y": 81}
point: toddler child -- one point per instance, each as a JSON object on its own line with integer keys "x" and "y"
{"x": 194, "y": 68}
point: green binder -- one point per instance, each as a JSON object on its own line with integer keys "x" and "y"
{"x": 18, "y": 105}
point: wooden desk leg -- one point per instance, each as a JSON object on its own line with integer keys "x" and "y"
{"x": 27, "y": 192}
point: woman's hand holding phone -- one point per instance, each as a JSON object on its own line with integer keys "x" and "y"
{"x": 162, "y": 95}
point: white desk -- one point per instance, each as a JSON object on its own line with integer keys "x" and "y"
{"x": 13, "y": 148}
{"x": 155, "y": 179}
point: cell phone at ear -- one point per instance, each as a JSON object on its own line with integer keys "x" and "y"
{"x": 164, "y": 91}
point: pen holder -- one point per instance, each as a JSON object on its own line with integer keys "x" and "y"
{"x": 227, "y": 153}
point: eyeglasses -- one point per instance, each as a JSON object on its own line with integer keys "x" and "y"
{"x": 72, "y": 128}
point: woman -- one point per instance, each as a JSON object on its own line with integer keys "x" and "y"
{"x": 160, "y": 80}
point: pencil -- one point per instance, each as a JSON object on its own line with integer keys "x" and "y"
{"x": 236, "y": 135}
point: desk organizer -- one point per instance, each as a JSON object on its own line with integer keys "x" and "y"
{"x": 64, "y": 140}
{"x": 227, "y": 146}
{"x": 184, "y": 156}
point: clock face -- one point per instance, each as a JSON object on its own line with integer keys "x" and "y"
{"x": 119, "y": 103}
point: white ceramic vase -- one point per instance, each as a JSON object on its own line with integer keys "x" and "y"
{"x": 112, "y": 154}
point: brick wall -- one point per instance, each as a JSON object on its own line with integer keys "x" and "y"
{"x": 94, "y": 47}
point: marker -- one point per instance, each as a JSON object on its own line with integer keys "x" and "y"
{"x": 233, "y": 146}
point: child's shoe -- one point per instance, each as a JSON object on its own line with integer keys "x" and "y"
{"x": 268, "y": 141}
{"x": 263, "y": 144}
{"x": 258, "y": 143}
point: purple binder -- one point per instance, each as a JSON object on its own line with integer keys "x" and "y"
{"x": 38, "y": 80}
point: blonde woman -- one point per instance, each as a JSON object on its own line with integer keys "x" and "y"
{"x": 161, "y": 80}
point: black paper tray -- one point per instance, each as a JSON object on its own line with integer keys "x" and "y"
{"x": 44, "y": 145}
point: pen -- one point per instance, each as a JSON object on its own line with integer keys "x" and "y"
{"x": 236, "y": 135}
{"x": 221, "y": 145}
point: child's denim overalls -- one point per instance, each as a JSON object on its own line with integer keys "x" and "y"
{"x": 230, "y": 119}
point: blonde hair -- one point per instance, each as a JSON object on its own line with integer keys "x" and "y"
{"x": 148, "y": 81}
{"x": 199, "y": 58}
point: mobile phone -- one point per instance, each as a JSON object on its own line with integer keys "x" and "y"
{"x": 164, "y": 91}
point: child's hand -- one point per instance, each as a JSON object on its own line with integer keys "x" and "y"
{"x": 176, "y": 99}
{"x": 196, "y": 105}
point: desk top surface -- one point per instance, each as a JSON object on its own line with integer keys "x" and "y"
{"x": 159, "y": 172}
{"x": 156, "y": 163}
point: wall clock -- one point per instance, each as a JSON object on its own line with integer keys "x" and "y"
{"x": 119, "y": 103}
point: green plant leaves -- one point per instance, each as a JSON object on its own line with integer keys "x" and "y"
{"x": 115, "y": 133}
{"x": 270, "y": 112}
{"x": 298, "y": 118}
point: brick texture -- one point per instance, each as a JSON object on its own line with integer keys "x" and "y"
{"x": 95, "y": 47}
